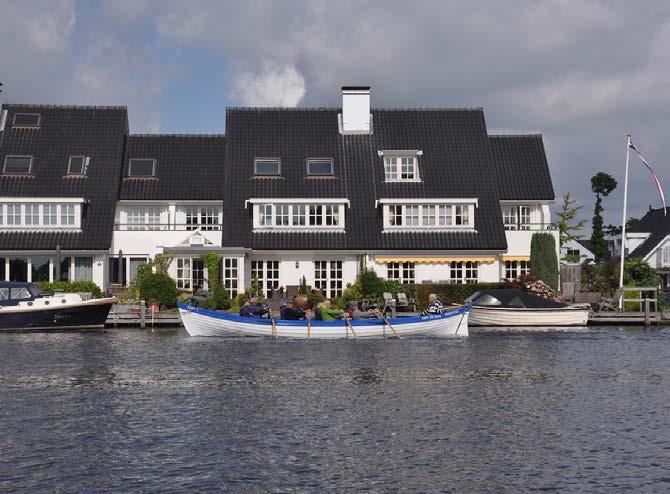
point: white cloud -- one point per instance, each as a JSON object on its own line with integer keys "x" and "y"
{"x": 274, "y": 85}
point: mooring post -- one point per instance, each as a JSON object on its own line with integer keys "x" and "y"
{"x": 647, "y": 312}
{"x": 143, "y": 314}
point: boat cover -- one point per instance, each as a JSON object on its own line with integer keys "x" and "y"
{"x": 512, "y": 298}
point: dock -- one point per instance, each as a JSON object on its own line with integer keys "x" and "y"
{"x": 142, "y": 318}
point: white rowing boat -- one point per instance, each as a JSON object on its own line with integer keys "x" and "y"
{"x": 203, "y": 322}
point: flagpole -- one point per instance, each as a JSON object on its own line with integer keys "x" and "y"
{"x": 623, "y": 223}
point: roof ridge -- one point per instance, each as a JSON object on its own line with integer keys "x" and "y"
{"x": 175, "y": 135}
{"x": 66, "y": 107}
{"x": 515, "y": 135}
{"x": 326, "y": 108}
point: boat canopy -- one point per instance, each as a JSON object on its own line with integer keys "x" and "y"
{"x": 13, "y": 291}
{"x": 512, "y": 298}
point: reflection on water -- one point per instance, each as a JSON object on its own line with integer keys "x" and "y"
{"x": 131, "y": 411}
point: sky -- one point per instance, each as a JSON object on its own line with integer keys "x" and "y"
{"x": 583, "y": 73}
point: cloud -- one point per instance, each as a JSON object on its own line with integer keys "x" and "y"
{"x": 274, "y": 85}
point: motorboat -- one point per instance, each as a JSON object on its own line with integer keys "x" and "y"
{"x": 505, "y": 307}
{"x": 23, "y": 306}
{"x": 204, "y": 322}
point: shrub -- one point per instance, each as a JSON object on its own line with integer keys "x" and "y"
{"x": 314, "y": 299}
{"x": 219, "y": 299}
{"x": 543, "y": 258}
{"x": 212, "y": 262}
{"x": 393, "y": 287}
{"x": 160, "y": 288}
{"x": 447, "y": 293}
{"x": 371, "y": 284}
{"x": 70, "y": 287}
{"x": 639, "y": 273}
{"x": 162, "y": 263}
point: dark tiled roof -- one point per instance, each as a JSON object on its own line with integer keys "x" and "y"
{"x": 521, "y": 167}
{"x": 187, "y": 167}
{"x": 67, "y": 130}
{"x": 456, "y": 162}
{"x": 655, "y": 223}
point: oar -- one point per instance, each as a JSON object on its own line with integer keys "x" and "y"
{"x": 390, "y": 326}
{"x": 351, "y": 327}
{"x": 309, "y": 323}
{"x": 274, "y": 326}
{"x": 462, "y": 316}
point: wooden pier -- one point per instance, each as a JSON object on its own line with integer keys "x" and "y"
{"x": 142, "y": 317}
{"x": 648, "y": 312}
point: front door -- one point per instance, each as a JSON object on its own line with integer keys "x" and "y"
{"x": 198, "y": 273}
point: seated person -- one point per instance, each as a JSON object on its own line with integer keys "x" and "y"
{"x": 434, "y": 306}
{"x": 252, "y": 308}
{"x": 328, "y": 313}
{"x": 292, "y": 313}
{"x": 357, "y": 311}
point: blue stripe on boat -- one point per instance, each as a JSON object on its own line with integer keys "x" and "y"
{"x": 396, "y": 321}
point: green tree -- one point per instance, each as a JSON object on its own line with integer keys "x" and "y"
{"x": 568, "y": 229}
{"x": 616, "y": 230}
{"x": 543, "y": 258}
{"x": 601, "y": 184}
{"x": 212, "y": 261}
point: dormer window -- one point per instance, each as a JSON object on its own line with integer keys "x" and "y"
{"x": 26, "y": 120}
{"x": 77, "y": 165}
{"x": 18, "y": 165}
{"x": 302, "y": 215}
{"x": 428, "y": 214}
{"x": 267, "y": 166}
{"x": 142, "y": 168}
{"x": 401, "y": 166}
{"x": 320, "y": 167}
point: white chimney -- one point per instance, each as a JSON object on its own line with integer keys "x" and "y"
{"x": 356, "y": 109}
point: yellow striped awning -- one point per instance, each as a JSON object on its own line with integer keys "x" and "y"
{"x": 434, "y": 260}
{"x": 515, "y": 258}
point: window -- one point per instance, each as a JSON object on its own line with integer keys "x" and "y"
{"x": 14, "y": 214}
{"x": 332, "y": 215}
{"x": 315, "y": 215}
{"x": 39, "y": 267}
{"x": 444, "y": 216}
{"x": 184, "y": 273}
{"x": 517, "y": 217}
{"x": 320, "y": 167}
{"x": 267, "y": 167}
{"x": 135, "y": 263}
{"x": 83, "y": 268}
{"x": 26, "y": 120}
{"x": 429, "y": 215}
{"x": 265, "y": 215}
{"x": 282, "y": 216}
{"x": 401, "y": 169}
{"x": 395, "y": 215}
{"x": 64, "y": 269}
{"x": 412, "y": 215}
{"x": 298, "y": 215}
{"x": 140, "y": 218}
{"x": 461, "y": 215}
{"x": 50, "y": 214}
{"x": 67, "y": 214}
{"x": 400, "y": 271}
{"x": 32, "y": 216}
{"x": 328, "y": 278}
{"x": 18, "y": 165}
{"x": 266, "y": 274}
{"x": 197, "y": 273}
{"x": 142, "y": 168}
{"x": 204, "y": 218}
{"x": 514, "y": 269}
{"x": 18, "y": 269}
{"x": 230, "y": 275}
{"x": 464, "y": 271}
{"x": 77, "y": 165}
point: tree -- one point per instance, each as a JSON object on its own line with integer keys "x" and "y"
{"x": 601, "y": 184}
{"x": 616, "y": 230}
{"x": 543, "y": 258}
{"x": 567, "y": 230}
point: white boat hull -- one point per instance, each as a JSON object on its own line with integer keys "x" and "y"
{"x": 202, "y": 322}
{"x": 505, "y": 317}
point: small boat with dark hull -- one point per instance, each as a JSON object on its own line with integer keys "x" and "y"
{"x": 507, "y": 307}
{"x": 23, "y": 306}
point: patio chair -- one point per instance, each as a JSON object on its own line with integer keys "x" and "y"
{"x": 389, "y": 301}
{"x": 609, "y": 304}
{"x": 406, "y": 303}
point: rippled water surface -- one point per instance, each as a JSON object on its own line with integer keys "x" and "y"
{"x": 132, "y": 411}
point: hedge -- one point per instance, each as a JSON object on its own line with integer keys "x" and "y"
{"x": 447, "y": 293}
{"x": 70, "y": 287}
{"x": 543, "y": 258}
{"x": 159, "y": 288}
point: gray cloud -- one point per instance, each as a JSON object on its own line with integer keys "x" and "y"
{"x": 581, "y": 72}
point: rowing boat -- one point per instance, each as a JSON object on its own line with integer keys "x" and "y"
{"x": 204, "y": 322}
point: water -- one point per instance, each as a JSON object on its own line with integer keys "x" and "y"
{"x": 131, "y": 411}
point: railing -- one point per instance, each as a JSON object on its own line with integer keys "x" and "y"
{"x": 530, "y": 226}
{"x": 163, "y": 227}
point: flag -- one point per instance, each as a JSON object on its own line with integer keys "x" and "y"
{"x": 653, "y": 175}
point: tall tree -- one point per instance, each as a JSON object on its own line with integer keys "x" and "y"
{"x": 616, "y": 230}
{"x": 601, "y": 184}
{"x": 567, "y": 228}
{"x": 543, "y": 258}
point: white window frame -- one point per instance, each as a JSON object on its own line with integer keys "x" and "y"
{"x": 464, "y": 272}
{"x": 320, "y": 160}
{"x": 396, "y": 165}
{"x": 206, "y": 218}
{"x": 30, "y": 167}
{"x": 403, "y": 272}
{"x": 431, "y": 215}
{"x": 513, "y": 269}
{"x": 31, "y": 214}
{"x": 517, "y": 217}
{"x": 298, "y": 216}
{"x": 267, "y": 273}
{"x": 278, "y": 174}
{"x": 130, "y": 168}
{"x": 184, "y": 279}
{"x": 328, "y": 277}
{"x": 230, "y": 275}
{"x": 143, "y": 218}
